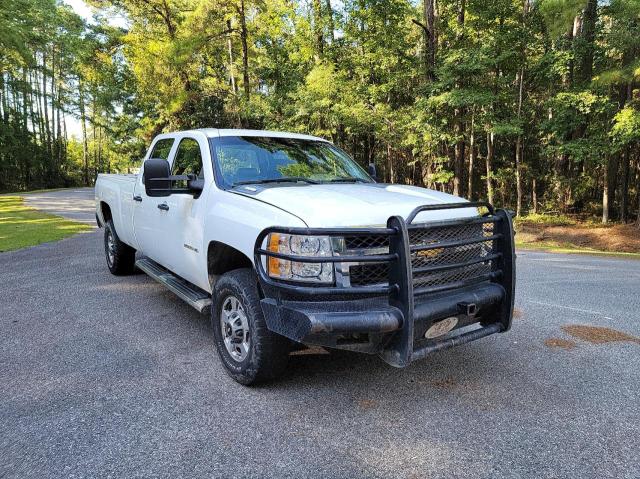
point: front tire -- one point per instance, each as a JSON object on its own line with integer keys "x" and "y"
{"x": 249, "y": 352}
{"x": 121, "y": 257}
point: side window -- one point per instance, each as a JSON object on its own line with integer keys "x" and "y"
{"x": 188, "y": 160}
{"x": 162, "y": 148}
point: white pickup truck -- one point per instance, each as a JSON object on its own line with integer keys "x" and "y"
{"x": 288, "y": 242}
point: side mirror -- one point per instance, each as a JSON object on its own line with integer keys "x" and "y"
{"x": 372, "y": 171}
{"x": 156, "y": 177}
{"x": 195, "y": 186}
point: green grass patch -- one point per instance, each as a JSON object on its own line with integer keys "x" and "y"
{"x": 21, "y": 226}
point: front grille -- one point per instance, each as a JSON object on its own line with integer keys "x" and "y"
{"x": 369, "y": 274}
{"x": 424, "y": 262}
{"x": 366, "y": 242}
{"x": 442, "y": 264}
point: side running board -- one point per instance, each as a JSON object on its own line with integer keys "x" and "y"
{"x": 195, "y": 297}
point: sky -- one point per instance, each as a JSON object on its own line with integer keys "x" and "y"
{"x": 80, "y": 8}
{"x": 86, "y": 12}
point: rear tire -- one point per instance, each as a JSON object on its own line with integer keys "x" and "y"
{"x": 121, "y": 257}
{"x": 249, "y": 352}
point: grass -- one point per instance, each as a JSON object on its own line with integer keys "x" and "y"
{"x": 21, "y": 226}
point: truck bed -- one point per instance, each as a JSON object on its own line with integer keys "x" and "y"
{"x": 117, "y": 191}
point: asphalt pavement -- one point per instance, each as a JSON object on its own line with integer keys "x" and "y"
{"x": 104, "y": 376}
{"x": 76, "y": 204}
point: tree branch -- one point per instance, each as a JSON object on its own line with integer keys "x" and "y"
{"x": 423, "y": 26}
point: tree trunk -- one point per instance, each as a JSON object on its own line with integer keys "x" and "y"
{"x": 472, "y": 157}
{"x": 605, "y": 193}
{"x": 430, "y": 20}
{"x": 38, "y": 112}
{"x": 45, "y": 106}
{"x": 638, "y": 191}
{"x": 518, "y": 175}
{"x": 519, "y": 146}
{"x": 488, "y": 161}
{"x": 459, "y": 154}
{"x": 232, "y": 76}
{"x": 83, "y": 124}
{"x": 589, "y": 20}
{"x": 100, "y": 166}
{"x": 331, "y": 26}
{"x": 612, "y": 182}
{"x": 624, "y": 200}
{"x": 3, "y": 96}
{"x": 94, "y": 138}
{"x": 534, "y": 197}
{"x": 64, "y": 135}
{"x": 390, "y": 172}
{"x": 25, "y": 126}
{"x": 245, "y": 51}
{"x": 318, "y": 28}
{"x": 461, "y": 12}
{"x": 53, "y": 113}
{"x": 458, "y": 128}
{"x": 59, "y": 141}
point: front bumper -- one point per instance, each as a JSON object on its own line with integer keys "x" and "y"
{"x": 391, "y": 321}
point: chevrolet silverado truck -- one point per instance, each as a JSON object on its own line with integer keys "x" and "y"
{"x": 288, "y": 243}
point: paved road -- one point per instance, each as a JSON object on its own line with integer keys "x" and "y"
{"x": 76, "y": 204}
{"x": 104, "y": 376}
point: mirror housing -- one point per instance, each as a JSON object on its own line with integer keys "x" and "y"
{"x": 372, "y": 171}
{"x": 195, "y": 186}
{"x": 159, "y": 182}
{"x": 156, "y": 178}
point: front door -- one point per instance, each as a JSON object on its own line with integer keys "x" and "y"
{"x": 183, "y": 229}
{"x": 148, "y": 219}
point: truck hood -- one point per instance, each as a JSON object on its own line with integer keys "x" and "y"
{"x": 353, "y": 205}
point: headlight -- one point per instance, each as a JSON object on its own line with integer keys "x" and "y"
{"x": 300, "y": 245}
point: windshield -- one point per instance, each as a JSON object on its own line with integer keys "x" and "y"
{"x": 253, "y": 159}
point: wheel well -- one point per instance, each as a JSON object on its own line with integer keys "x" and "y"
{"x": 222, "y": 258}
{"x": 106, "y": 211}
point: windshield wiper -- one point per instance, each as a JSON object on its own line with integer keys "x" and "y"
{"x": 284, "y": 179}
{"x": 347, "y": 179}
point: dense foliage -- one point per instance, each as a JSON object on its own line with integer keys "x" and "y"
{"x": 530, "y": 104}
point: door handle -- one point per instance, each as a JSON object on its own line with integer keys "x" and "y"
{"x": 163, "y": 207}
{"x": 137, "y": 198}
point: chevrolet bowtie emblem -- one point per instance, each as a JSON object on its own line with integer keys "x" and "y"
{"x": 430, "y": 253}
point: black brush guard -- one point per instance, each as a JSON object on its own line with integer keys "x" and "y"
{"x": 391, "y": 319}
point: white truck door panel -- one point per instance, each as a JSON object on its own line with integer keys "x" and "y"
{"x": 149, "y": 221}
{"x": 184, "y": 239}
{"x": 183, "y": 227}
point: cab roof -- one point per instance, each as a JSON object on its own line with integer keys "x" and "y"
{"x": 218, "y": 132}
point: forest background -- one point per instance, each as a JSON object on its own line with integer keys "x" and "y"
{"x": 532, "y": 105}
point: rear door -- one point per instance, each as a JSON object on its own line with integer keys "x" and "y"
{"x": 148, "y": 219}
